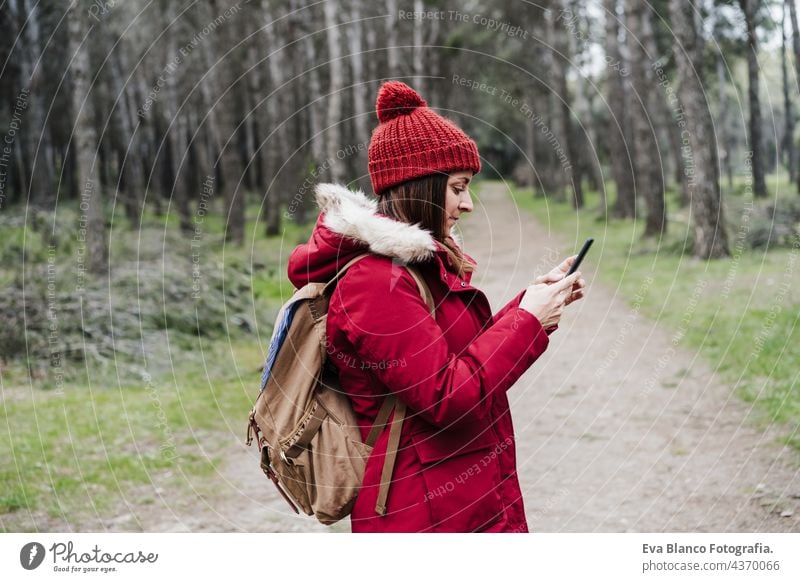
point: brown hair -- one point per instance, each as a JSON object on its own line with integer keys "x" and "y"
{"x": 421, "y": 200}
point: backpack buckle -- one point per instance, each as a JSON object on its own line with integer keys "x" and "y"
{"x": 252, "y": 428}
{"x": 284, "y": 458}
{"x": 265, "y": 466}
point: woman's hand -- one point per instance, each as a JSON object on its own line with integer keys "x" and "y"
{"x": 546, "y": 301}
{"x": 558, "y": 273}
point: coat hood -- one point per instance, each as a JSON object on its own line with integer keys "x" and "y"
{"x": 349, "y": 224}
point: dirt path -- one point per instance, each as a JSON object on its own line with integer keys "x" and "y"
{"x": 616, "y": 430}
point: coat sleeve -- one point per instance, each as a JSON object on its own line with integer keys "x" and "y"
{"x": 389, "y": 326}
{"x": 514, "y": 303}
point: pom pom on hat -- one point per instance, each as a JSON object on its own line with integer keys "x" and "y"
{"x": 395, "y": 99}
{"x": 412, "y": 140}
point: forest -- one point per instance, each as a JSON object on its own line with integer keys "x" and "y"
{"x": 158, "y": 162}
{"x": 136, "y": 105}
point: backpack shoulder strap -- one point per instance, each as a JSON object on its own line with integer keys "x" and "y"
{"x": 342, "y": 271}
{"x": 424, "y": 290}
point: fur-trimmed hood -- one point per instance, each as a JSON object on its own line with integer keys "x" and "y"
{"x": 353, "y": 215}
{"x": 349, "y": 224}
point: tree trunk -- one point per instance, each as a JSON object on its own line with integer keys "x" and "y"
{"x": 248, "y": 129}
{"x": 796, "y": 47}
{"x": 530, "y": 148}
{"x": 361, "y": 106}
{"x": 555, "y": 179}
{"x": 230, "y": 159}
{"x": 175, "y": 132}
{"x": 673, "y": 137}
{"x": 208, "y": 150}
{"x": 433, "y": 62}
{"x": 649, "y": 181}
{"x": 726, "y": 136}
{"x": 84, "y": 141}
{"x": 35, "y": 137}
{"x": 619, "y": 131}
{"x": 392, "y": 52}
{"x": 419, "y": 50}
{"x": 276, "y": 136}
{"x": 374, "y": 68}
{"x": 701, "y": 166}
{"x": 573, "y": 167}
{"x": 789, "y": 151}
{"x": 131, "y": 164}
{"x": 336, "y": 86}
{"x": 252, "y": 96}
{"x": 750, "y": 8}
{"x": 315, "y": 114}
{"x": 586, "y": 137}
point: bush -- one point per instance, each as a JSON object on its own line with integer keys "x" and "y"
{"x": 775, "y": 225}
{"x": 48, "y": 318}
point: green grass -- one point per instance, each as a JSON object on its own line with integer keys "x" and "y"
{"x": 741, "y": 313}
{"x": 108, "y": 437}
{"x": 83, "y": 450}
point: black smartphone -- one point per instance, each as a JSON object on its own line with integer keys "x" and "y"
{"x": 581, "y": 254}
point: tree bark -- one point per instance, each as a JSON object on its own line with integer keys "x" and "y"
{"x": 701, "y": 166}
{"x": 673, "y": 137}
{"x": 131, "y": 164}
{"x": 360, "y": 99}
{"x": 555, "y": 178}
{"x": 251, "y": 122}
{"x": 84, "y": 141}
{"x": 230, "y": 159}
{"x": 315, "y": 114}
{"x": 419, "y": 50}
{"x": 276, "y": 139}
{"x": 392, "y": 52}
{"x": 298, "y": 138}
{"x": 175, "y": 129}
{"x": 35, "y": 137}
{"x": 726, "y": 137}
{"x": 586, "y": 136}
{"x": 796, "y": 49}
{"x": 334, "y": 115}
{"x": 374, "y": 68}
{"x": 208, "y": 152}
{"x": 649, "y": 182}
{"x": 619, "y": 131}
{"x": 750, "y": 8}
{"x": 789, "y": 150}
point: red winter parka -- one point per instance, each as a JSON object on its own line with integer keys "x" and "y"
{"x": 456, "y": 465}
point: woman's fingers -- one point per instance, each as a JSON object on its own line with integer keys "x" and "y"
{"x": 550, "y": 278}
{"x": 574, "y": 297}
{"x": 563, "y": 288}
{"x": 569, "y": 281}
{"x": 567, "y": 263}
{"x": 577, "y": 291}
{"x": 556, "y": 273}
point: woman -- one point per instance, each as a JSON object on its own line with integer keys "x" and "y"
{"x": 455, "y": 469}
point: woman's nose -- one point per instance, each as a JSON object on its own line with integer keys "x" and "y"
{"x": 466, "y": 203}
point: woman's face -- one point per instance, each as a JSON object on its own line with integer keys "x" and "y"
{"x": 457, "y": 199}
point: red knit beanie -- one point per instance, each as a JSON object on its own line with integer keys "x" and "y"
{"x": 413, "y": 141}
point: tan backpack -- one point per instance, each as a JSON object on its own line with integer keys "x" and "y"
{"x": 306, "y": 429}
